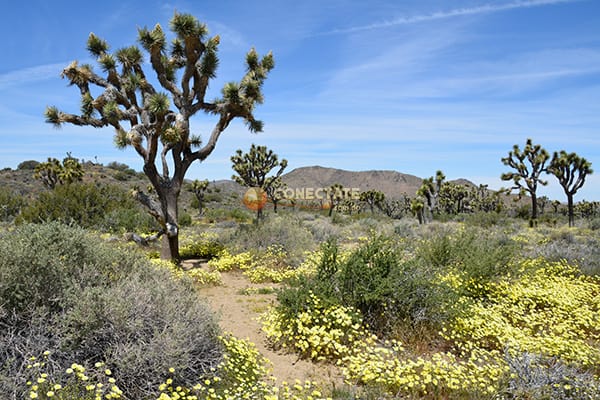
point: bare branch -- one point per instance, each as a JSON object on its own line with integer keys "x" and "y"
{"x": 151, "y": 205}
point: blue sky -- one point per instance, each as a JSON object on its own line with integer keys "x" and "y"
{"x": 413, "y": 86}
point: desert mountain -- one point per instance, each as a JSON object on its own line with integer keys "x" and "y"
{"x": 392, "y": 183}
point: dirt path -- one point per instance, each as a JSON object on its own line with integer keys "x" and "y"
{"x": 238, "y": 313}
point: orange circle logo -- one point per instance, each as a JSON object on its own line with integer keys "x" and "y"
{"x": 255, "y": 199}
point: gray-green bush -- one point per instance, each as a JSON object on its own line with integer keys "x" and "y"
{"x": 85, "y": 301}
{"x": 534, "y": 377}
{"x": 287, "y": 232}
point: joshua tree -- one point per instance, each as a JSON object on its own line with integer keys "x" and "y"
{"x": 416, "y": 206}
{"x": 482, "y": 199}
{"x": 372, "y": 198}
{"x": 453, "y": 197}
{"x": 335, "y": 194}
{"x": 570, "y": 170}
{"x": 529, "y": 165}
{"x": 430, "y": 190}
{"x": 555, "y": 206}
{"x": 543, "y": 202}
{"x": 253, "y": 168}
{"x": 199, "y": 189}
{"x": 156, "y": 122}
{"x": 52, "y": 172}
{"x": 276, "y": 192}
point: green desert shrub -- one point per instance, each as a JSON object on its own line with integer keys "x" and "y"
{"x": 389, "y": 289}
{"x": 204, "y": 245}
{"x": 484, "y": 219}
{"x": 127, "y": 219}
{"x": 212, "y": 214}
{"x": 479, "y": 256}
{"x": 85, "y": 301}
{"x": 10, "y": 205}
{"x": 184, "y": 219}
{"x": 88, "y": 205}
{"x": 28, "y": 165}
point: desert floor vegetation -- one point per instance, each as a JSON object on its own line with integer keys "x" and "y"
{"x": 302, "y": 306}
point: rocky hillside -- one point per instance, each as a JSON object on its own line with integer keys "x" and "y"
{"x": 392, "y": 183}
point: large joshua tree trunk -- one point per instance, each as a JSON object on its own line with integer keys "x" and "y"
{"x": 170, "y": 241}
{"x": 534, "y": 211}
{"x": 570, "y": 208}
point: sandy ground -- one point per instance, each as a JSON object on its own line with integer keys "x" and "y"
{"x": 238, "y": 314}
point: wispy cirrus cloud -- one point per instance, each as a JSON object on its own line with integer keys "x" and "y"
{"x": 31, "y": 74}
{"x": 457, "y": 12}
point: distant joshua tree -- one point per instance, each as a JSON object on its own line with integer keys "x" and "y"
{"x": 571, "y": 171}
{"x": 199, "y": 189}
{"x": 430, "y": 191}
{"x": 529, "y": 165}
{"x": 52, "y": 172}
{"x": 335, "y": 194}
{"x": 253, "y": 168}
{"x": 417, "y": 206}
{"x": 373, "y": 198}
{"x": 276, "y": 192}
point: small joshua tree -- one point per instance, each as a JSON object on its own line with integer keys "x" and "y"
{"x": 430, "y": 191}
{"x": 253, "y": 168}
{"x": 276, "y": 192}
{"x": 156, "y": 121}
{"x": 199, "y": 189}
{"x": 52, "y": 172}
{"x": 453, "y": 197}
{"x": 571, "y": 171}
{"x": 335, "y": 194}
{"x": 529, "y": 165}
{"x": 373, "y": 198}
{"x": 417, "y": 206}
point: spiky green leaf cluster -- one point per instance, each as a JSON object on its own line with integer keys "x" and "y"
{"x": 77, "y": 75}
{"x": 120, "y": 139}
{"x": 96, "y": 46}
{"x": 52, "y": 115}
{"x": 178, "y": 52}
{"x": 111, "y": 112}
{"x": 185, "y": 25}
{"x": 195, "y": 141}
{"x": 87, "y": 105}
{"x": 209, "y": 61}
{"x": 107, "y": 62}
{"x": 132, "y": 82}
{"x": 129, "y": 57}
{"x": 171, "y": 136}
{"x": 231, "y": 92}
{"x": 158, "y": 104}
{"x": 152, "y": 39}
{"x": 254, "y": 125}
